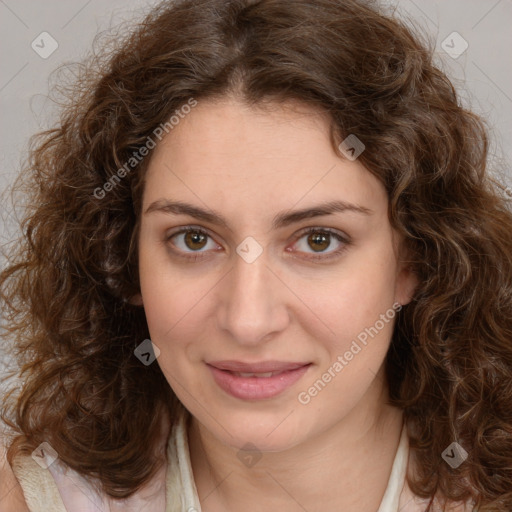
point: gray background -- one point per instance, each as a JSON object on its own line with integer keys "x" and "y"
{"x": 482, "y": 74}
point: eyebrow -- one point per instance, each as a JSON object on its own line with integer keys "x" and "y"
{"x": 282, "y": 219}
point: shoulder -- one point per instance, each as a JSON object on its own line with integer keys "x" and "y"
{"x": 12, "y": 498}
{"x": 32, "y": 487}
{"x": 409, "y": 502}
{"x": 420, "y": 505}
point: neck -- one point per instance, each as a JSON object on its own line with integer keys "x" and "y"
{"x": 348, "y": 465}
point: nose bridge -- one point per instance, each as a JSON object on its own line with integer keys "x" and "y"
{"x": 252, "y": 306}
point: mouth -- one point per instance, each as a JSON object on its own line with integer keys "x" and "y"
{"x": 256, "y": 381}
{"x": 257, "y": 375}
{"x": 257, "y": 368}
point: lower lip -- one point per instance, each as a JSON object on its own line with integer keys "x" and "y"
{"x": 256, "y": 388}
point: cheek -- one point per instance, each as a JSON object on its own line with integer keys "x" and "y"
{"x": 176, "y": 306}
{"x": 355, "y": 296}
{"x": 359, "y": 310}
{"x": 168, "y": 318}
{"x": 167, "y": 294}
{"x": 164, "y": 296}
{"x": 173, "y": 312}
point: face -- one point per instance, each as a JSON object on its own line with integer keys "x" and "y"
{"x": 250, "y": 286}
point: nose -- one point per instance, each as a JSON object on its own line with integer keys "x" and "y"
{"x": 252, "y": 304}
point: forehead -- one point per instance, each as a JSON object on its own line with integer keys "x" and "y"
{"x": 227, "y": 154}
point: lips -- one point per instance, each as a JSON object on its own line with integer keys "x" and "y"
{"x": 260, "y": 367}
{"x": 256, "y": 381}
{"x": 258, "y": 375}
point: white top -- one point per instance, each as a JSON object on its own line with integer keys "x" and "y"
{"x": 60, "y": 489}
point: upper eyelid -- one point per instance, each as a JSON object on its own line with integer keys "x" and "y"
{"x": 301, "y": 231}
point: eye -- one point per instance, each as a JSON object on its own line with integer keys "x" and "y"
{"x": 190, "y": 239}
{"x": 319, "y": 239}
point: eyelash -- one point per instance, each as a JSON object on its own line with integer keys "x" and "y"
{"x": 199, "y": 255}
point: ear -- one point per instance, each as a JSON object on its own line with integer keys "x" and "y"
{"x": 406, "y": 280}
{"x": 406, "y": 284}
{"x": 136, "y": 300}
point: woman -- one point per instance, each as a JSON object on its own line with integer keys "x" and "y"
{"x": 266, "y": 267}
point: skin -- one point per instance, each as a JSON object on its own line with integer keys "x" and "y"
{"x": 11, "y": 493}
{"x": 248, "y": 165}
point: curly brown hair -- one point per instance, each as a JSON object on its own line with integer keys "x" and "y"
{"x": 67, "y": 293}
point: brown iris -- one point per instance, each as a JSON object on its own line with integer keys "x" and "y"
{"x": 319, "y": 238}
{"x": 195, "y": 237}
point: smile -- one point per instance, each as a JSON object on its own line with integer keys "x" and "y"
{"x": 257, "y": 385}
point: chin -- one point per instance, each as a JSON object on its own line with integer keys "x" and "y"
{"x": 264, "y": 429}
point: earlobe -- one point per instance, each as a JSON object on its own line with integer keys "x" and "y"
{"x": 136, "y": 300}
{"x": 406, "y": 285}
{"x": 407, "y": 280}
